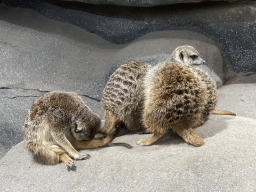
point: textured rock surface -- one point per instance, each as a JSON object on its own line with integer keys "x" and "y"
{"x": 226, "y": 162}
{"x": 239, "y": 96}
{"x": 142, "y": 3}
{"x": 231, "y": 25}
{"x": 38, "y": 55}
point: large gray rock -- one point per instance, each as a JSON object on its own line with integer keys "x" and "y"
{"x": 38, "y": 55}
{"x": 226, "y": 162}
{"x": 230, "y": 25}
{"x": 239, "y": 96}
{"x": 142, "y": 3}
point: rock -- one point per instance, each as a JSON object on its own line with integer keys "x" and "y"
{"x": 157, "y": 47}
{"x": 230, "y": 25}
{"x": 226, "y": 162}
{"x": 44, "y": 55}
{"x": 238, "y": 95}
{"x": 142, "y": 3}
{"x": 12, "y": 114}
{"x": 40, "y": 55}
{"x": 14, "y": 106}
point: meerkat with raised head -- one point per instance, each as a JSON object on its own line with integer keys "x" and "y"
{"x": 170, "y": 95}
{"x": 59, "y": 123}
{"x": 178, "y": 97}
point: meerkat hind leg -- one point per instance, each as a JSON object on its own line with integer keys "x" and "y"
{"x": 113, "y": 131}
{"x": 61, "y": 155}
{"x": 64, "y": 143}
{"x": 190, "y": 136}
{"x": 110, "y": 119}
{"x": 150, "y": 140}
{"x": 92, "y": 144}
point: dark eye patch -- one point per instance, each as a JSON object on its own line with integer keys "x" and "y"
{"x": 181, "y": 56}
{"x": 194, "y": 57}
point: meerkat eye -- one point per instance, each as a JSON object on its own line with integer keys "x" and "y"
{"x": 181, "y": 56}
{"x": 194, "y": 57}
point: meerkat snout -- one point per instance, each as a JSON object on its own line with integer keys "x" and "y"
{"x": 197, "y": 60}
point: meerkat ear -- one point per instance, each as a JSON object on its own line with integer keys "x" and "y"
{"x": 181, "y": 56}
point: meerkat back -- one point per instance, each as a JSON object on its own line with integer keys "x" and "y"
{"x": 123, "y": 96}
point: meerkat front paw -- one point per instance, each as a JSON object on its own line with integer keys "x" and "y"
{"x": 83, "y": 157}
{"x": 143, "y": 142}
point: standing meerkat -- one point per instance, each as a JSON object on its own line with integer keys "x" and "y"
{"x": 59, "y": 123}
{"x": 170, "y": 95}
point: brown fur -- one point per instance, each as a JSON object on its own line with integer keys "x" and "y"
{"x": 123, "y": 97}
{"x": 57, "y": 125}
{"x": 171, "y": 95}
{"x": 176, "y": 98}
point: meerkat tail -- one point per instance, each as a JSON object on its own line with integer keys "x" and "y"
{"x": 222, "y": 112}
{"x": 95, "y": 143}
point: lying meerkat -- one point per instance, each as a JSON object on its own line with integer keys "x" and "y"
{"x": 58, "y": 124}
{"x": 170, "y": 95}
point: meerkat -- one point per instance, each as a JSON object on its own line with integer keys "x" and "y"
{"x": 171, "y": 95}
{"x": 123, "y": 97}
{"x": 59, "y": 123}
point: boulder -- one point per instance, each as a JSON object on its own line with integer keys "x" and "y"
{"x": 143, "y": 3}
{"x": 230, "y": 25}
{"x": 42, "y": 55}
{"x": 38, "y": 55}
{"x": 226, "y": 162}
{"x": 238, "y": 95}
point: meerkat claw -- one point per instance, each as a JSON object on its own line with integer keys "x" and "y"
{"x": 70, "y": 165}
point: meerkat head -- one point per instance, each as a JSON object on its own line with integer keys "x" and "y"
{"x": 187, "y": 55}
{"x": 85, "y": 129}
